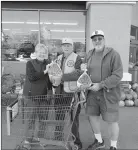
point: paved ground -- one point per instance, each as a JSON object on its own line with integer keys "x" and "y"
{"x": 128, "y": 138}
{"x": 128, "y": 122}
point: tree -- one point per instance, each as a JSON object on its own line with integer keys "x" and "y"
{"x": 79, "y": 47}
{"x": 34, "y": 38}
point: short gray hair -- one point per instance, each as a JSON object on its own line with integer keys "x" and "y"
{"x": 39, "y": 46}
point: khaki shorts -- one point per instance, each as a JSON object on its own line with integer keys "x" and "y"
{"x": 96, "y": 106}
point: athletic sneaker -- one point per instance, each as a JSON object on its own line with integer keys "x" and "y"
{"x": 79, "y": 146}
{"x": 96, "y": 145}
{"x": 113, "y": 148}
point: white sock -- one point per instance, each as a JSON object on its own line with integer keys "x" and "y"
{"x": 98, "y": 137}
{"x": 114, "y": 144}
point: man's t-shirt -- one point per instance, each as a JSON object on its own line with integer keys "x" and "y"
{"x": 95, "y": 66}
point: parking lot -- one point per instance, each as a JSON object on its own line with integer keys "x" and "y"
{"x": 128, "y": 138}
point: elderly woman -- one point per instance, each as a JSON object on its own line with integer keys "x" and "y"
{"x": 37, "y": 83}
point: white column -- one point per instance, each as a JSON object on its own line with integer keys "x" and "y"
{"x": 114, "y": 18}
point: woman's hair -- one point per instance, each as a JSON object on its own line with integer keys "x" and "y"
{"x": 39, "y": 46}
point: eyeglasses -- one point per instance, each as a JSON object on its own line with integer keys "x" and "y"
{"x": 67, "y": 45}
{"x": 97, "y": 39}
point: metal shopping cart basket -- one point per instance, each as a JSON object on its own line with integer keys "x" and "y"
{"x": 46, "y": 120}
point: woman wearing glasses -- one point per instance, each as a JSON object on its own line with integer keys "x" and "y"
{"x": 105, "y": 68}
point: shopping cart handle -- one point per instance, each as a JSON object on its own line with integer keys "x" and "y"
{"x": 84, "y": 98}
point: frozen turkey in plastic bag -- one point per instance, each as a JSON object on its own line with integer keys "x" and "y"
{"x": 55, "y": 73}
{"x": 84, "y": 81}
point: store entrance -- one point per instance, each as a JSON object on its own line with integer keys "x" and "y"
{"x": 133, "y": 53}
{"x": 133, "y": 60}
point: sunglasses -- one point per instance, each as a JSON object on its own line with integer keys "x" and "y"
{"x": 97, "y": 39}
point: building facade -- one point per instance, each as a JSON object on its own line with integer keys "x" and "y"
{"x": 24, "y": 24}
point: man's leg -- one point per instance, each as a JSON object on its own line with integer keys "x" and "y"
{"x": 59, "y": 117}
{"x": 111, "y": 118}
{"x": 93, "y": 110}
{"x": 43, "y": 116}
{"x": 75, "y": 128}
{"x": 95, "y": 124}
{"x": 110, "y": 114}
{"x": 58, "y": 128}
{"x": 114, "y": 133}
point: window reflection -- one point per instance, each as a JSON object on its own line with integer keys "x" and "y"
{"x": 134, "y": 32}
{"x": 20, "y": 30}
{"x": 58, "y": 25}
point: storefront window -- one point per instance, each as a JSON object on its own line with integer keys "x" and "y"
{"x": 20, "y": 34}
{"x": 134, "y": 32}
{"x": 21, "y": 30}
{"x": 58, "y": 25}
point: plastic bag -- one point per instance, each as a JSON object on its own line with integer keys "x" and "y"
{"x": 55, "y": 74}
{"x": 84, "y": 81}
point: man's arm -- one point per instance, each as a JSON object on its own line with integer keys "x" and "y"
{"x": 117, "y": 73}
{"x": 75, "y": 74}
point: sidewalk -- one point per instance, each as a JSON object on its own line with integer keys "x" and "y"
{"x": 128, "y": 138}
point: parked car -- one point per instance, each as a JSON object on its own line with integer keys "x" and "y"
{"x": 26, "y": 49}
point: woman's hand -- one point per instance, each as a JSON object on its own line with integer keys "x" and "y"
{"x": 47, "y": 67}
{"x": 84, "y": 66}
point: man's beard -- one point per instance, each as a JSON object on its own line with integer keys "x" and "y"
{"x": 99, "y": 47}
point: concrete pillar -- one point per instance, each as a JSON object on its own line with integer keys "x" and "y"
{"x": 114, "y": 18}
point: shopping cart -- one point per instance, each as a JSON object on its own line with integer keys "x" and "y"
{"x": 47, "y": 118}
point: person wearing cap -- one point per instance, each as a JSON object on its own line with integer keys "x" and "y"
{"x": 105, "y": 68}
{"x": 70, "y": 64}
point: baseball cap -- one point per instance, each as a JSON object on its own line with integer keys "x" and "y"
{"x": 67, "y": 40}
{"x": 97, "y": 32}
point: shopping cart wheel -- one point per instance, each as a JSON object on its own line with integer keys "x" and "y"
{"x": 18, "y": 147}
{"x": 25, "y": 148}
{"x": 74, "y": 147}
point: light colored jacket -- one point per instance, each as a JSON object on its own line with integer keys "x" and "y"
{"x": 71, "y": 71}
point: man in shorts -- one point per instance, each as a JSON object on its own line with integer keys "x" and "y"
{"x": 105, "y": 68}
